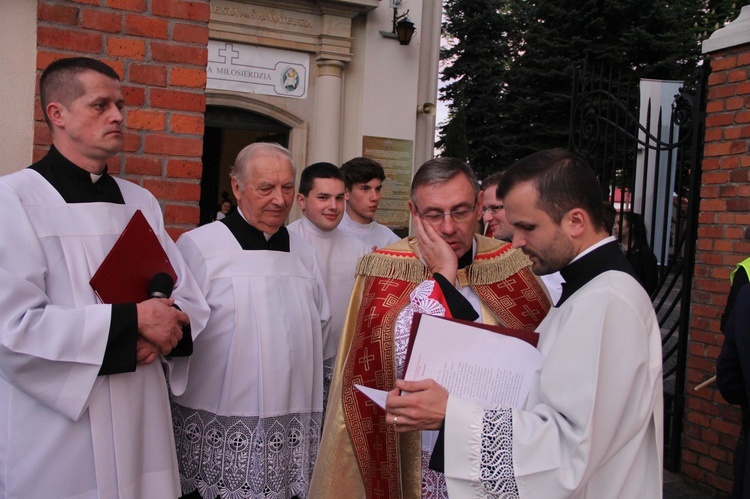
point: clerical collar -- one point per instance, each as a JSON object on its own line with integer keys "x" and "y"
{"x": 75, "y": 184}
{"x": 252, "y": 239}
{"x": 596, "y": 260}
{"x": 594, "y": 246}
{"x": 467, "y": 258}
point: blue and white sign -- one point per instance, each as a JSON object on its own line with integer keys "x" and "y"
{"x": 259, "y": 70}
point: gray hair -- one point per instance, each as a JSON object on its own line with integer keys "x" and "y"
{"x": 240, "y": 170}
{"x": 440, "y": 170}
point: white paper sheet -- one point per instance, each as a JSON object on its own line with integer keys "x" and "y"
{"x": 377, "y": 396}
{"x": 470, "y": 362}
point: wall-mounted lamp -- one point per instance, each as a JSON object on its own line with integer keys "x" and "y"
{"x": 403, "y": 29}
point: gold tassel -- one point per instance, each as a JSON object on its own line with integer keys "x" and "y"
{"x": 407, "y": 268}
{"x": 400, "y": 261}
{"x": 496, "y": 269}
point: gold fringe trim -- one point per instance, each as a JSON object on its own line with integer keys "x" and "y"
{"x": 405, "y": 268}
{"x": 400, "y": 261}
{"x": 495, "y": 269}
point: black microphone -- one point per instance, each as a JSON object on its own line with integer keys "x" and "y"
{"x": 161, "y": 286}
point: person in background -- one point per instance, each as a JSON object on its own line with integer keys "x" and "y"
{"x": 224, "y": 209}
{"x": 609, "y": 214}
{"x": 321, "y": 199}
{"x": 733, "y": 369}
{"x": 84, "y": 404}
{"x": 591, "y": 426}
{"x": 364, "y": 178}
{"x": 493, "y": 215}
{"x": 630, "y": 230}
{"x": 247, "y": 417}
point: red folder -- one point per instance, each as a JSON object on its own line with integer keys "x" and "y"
{"x": 530, "y": 337}
{"x": 137, "y": 256}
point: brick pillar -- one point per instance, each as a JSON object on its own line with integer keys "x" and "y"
{"x": 712, "y": 425}
{"x": 159, "y": 48}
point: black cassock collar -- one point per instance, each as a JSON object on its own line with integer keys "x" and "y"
{"x": 74, "y": 183}
{"x": 251, "y": 238}
{"x": 467, "y": 258}
{"x": 604, "y": 258}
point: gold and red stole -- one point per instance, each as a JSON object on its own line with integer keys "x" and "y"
{"x": 389, "y": 464}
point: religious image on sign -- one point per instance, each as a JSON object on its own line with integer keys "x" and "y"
{"x": 291, "y": 80}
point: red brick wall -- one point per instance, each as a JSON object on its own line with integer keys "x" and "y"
{"x": 712, "y": 425}
{"x": 159, "y": 48}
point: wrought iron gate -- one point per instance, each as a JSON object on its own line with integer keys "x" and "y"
{"x": 650, "y": 167}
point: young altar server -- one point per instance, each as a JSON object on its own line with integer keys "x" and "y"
{"x": 364, "y": 184}
{"x": 321, "y": 198}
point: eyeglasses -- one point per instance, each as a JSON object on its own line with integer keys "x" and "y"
{"x": 493, "y": 208}
{"x": 457, "y": 216}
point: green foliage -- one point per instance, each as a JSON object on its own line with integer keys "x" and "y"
{"x": 453, "y": 140}
{"x": 476, "y": 72}
{"x": 510, "y": 66}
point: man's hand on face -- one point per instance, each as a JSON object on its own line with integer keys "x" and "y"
{"x": 160, "y": 323}
{"x": 436, "y": 253}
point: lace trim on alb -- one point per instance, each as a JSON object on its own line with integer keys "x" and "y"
{"x": 245, "y": 457}
{"x": 420, "y": 302}
{"x": 495, "y": 465}
{"x": 433, "y": 482}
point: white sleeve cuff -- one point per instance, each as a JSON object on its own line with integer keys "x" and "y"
{"x": 463, "y": 435}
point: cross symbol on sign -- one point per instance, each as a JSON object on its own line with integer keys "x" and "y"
{"x": 229, "y": 50}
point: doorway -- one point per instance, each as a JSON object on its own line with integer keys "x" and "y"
{"x": 228, "y": 130}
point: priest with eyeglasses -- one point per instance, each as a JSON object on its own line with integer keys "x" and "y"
{"x": 362, "y": 455}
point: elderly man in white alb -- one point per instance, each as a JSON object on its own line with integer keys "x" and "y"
{"x": 248, "y": 423}
{"x": 592, "y": 423}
